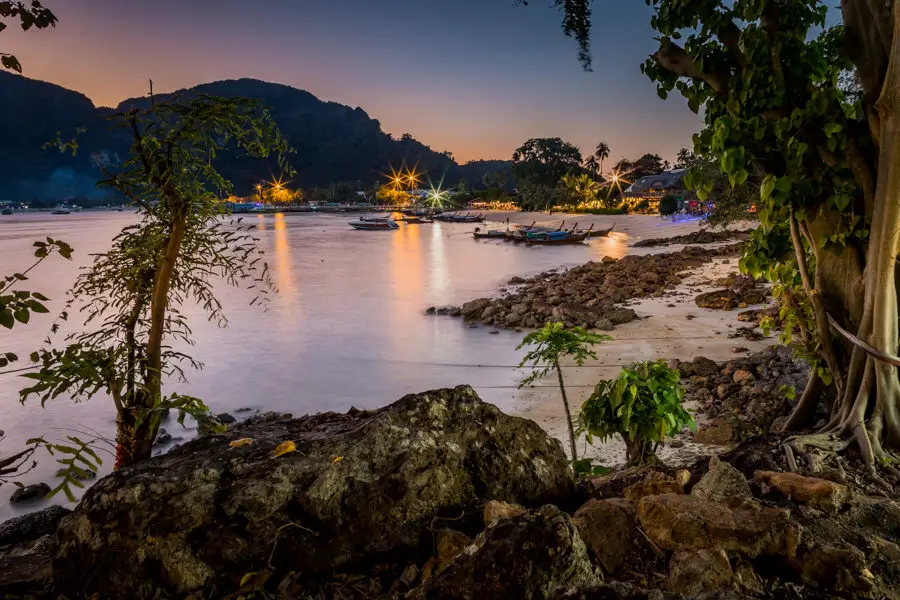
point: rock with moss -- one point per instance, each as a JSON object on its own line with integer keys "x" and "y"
{"x": 350, "y": 488}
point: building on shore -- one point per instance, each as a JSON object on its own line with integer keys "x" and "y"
{"x": 646, "y": 193}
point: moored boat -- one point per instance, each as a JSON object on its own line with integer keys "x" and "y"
{"x": 599, "y": 232}
{"x": 457, "y": 218}
{"x": 418, "y": 220}
{"x": 60, "y": 210}
{"x": 558, "y": 237}
{"x": 547, "y": 239}
{"x": 491, "y": 234}
{"x": 378, "y": 224}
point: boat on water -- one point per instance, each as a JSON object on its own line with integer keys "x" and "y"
{"x": 374, "y": 224}
{"x": 521, "y": 234}
{"x": 599, "y": 233}
{"x": 457, "y": 218}
{"x": 555, "y": 238}
{"x": 6, "y": 211}
{"x": 490, "y": 234}
{"x": 60, "y": 210}
{"x": 418, "y": 220}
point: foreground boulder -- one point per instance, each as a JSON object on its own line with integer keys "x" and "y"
{"x": 357, "y": 487}
{"x": 26, "y": 545}
{"x": 527, "y": 557}
{"x": 676, "y": 522}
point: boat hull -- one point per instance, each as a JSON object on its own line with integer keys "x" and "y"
{"x": 560, "y": 241}
{"x": 373, "y": 226}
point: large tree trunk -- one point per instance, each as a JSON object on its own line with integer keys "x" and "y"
{"x": 868, "y": 408}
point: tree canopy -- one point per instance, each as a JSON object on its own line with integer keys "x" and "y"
{"x": 544, "y": 161}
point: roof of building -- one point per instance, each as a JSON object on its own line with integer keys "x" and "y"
{"x": 662, "y": 181}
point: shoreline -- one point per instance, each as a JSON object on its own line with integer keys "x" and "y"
{"x": 662, "y": 332}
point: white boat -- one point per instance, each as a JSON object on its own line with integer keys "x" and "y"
{"x": 60, "y": 210}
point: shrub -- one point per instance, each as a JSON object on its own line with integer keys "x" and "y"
{"x": 642, "y": 206}
{"x": 668, "y": 205}
{"x": 642, "y": 405}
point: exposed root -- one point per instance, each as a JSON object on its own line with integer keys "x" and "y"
{"x": 806, "y": 406}
{"x": 789, "y": 456}
{"x": 822, "y": 441}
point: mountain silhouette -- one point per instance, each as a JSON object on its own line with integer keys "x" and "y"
{"x": 333, "y": 142}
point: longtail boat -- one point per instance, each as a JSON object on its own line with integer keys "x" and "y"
{"x": 555, "y": 238}
{"x": 374, "y": 224}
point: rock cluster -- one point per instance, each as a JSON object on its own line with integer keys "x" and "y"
{"x": 350, "y": 487}
{"x": 737, "y": 291}
{"x": 745, "y": 396}
{"x": 704, "y": 236}
{"x": 441, "y": 496}
{"x": 590, "y": 295}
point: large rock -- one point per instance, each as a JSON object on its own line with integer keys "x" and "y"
{"x": 527, "y": 557}
{"x": 361, "y": 484}
{"x": 609, "y": 531}
{"x": 31, "y": 526}
{"x": 26, "y": 548}
{"x": 722, "y": 483}
{"x": 474, "y": 308}
{"x": 718, "y": 300}
{"x": 696, "y": 571}
{"x": 676, "y": 522}
{"x": 818, "y": 493}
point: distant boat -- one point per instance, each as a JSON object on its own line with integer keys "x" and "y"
{"x": 418, "y": 220}
{"x": 61, "y": 210}
{"x": 491, "y": 234}
{"x": 457, "y": 218}
{"x": 374, "y": 224}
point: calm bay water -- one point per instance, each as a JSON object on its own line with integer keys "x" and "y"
{"x": 346, "y": 329}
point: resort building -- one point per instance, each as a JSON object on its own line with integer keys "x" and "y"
{"x": 646, "y": 192}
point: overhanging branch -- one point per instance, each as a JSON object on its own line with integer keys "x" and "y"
{"x": 672, "y": 57}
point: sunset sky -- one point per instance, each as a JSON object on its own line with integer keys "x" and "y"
{"x": 475, "y": 77}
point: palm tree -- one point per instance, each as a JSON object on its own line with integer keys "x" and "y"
{"x": 592, "y": 165}
{"x": 602, "y": 153}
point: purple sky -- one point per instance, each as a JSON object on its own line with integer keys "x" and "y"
{"x": 475, "y": 77}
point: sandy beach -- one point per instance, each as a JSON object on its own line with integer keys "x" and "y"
{"x": 669, "y": 327}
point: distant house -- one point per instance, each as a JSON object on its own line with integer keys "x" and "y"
{"x": 653, "y": 188}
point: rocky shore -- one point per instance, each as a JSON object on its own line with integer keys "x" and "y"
{"x": 441, "y": 496}
{"x": 703, "y": 236}
{"x": 592, "y": 295}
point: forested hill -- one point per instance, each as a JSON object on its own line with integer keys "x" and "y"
{"x": 333, "y": 142}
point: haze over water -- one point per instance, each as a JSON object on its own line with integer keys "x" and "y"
{"x": 346, "y": 329}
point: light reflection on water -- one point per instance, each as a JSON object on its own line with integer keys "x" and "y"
{"x": 346, "y": 328}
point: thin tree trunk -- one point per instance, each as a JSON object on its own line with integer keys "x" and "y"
{"x": 135, "y": 440}
{"x": 565, "y": 399}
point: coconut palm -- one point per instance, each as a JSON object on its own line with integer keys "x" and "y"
{"x": 602, "y": 153}
{"x": 592, "y": 165}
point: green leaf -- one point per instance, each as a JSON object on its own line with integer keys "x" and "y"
{"x": 22, "y": 315}
{"x": 10, "y": 62}
{"x": 6, "y": 318}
